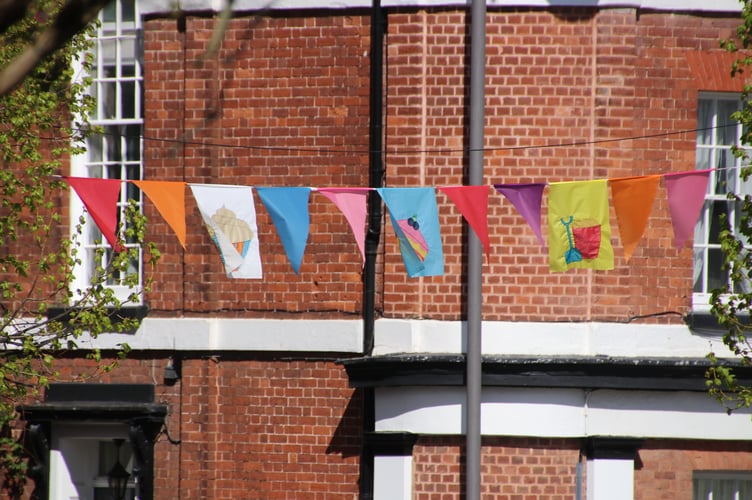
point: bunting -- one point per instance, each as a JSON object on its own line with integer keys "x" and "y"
{"x": 578, "y": 216}
{"x": 352, "y": 203}
{"x": 472, "y": 202}
{"x": 415, "y": 220}
{"x": 288, "y": 208}
{"x": 633, "y": 200}
{"x": 526, "y": 198}
{"x": 100, "y": 197}
{"x": 579, "y": 234}
{"x": 230, "y": 218}
{"x": 169, "y": 200}
{"x": 686, "y": 195}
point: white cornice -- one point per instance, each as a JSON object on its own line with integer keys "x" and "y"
{"x": 396, "y": 336}
{"x": 237, "y": 334}
{"x": 561, "y": 413}
{"x": 546, "y": 339}
{"x": 164, "y": 6}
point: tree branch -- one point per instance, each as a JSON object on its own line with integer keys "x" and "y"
{"x": 12, "y": 11}
{"x": 73, "y": 17}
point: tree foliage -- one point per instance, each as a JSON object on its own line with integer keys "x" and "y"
{"x": 42, "y": 123}
{"x": 731, "y": 304}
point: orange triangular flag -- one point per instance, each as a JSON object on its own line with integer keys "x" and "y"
{"x": 169, "y": 199}
{"x": 633, "y": 200}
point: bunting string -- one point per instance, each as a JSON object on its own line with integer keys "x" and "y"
{"x": 579, "y": 232}
{"x": 406, "y": 151}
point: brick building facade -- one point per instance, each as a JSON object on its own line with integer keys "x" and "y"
{"x": 593, "y": 380}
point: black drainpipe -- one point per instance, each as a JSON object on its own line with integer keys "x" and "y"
{"x": 375, "y": 179}
{"x": 375, "y": 175}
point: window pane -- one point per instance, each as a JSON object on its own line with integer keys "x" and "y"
{"x": 726, "y": 131}
{"x": 108, "y": 57}
{"x": 133, "y": 144}
{"x": 95, "y": 171}
{"x": 94, "y": 147}
{"x": 128, "y": 10}
{"x": 724, "y": 489}
{"x": 113, "y": 152}
{"x": 128, "y": 96}
{"x": 702, "y": 158}
{"x": 128, "y": 70}
{"x": 704, "y": 121}
{"x": 108, "y": 12}
{"x": 114, "y": 172}
{"x": 698, "y": 278}
{"x": 718, "y": 208}
{"x": 128, "y": 51}
{"x": 107, "y": 100}
{"x": 717, "y": 277}
{"x": 726, "y": 173}
{"x": 745, "y": 489}
{"x": 701, "y": 490}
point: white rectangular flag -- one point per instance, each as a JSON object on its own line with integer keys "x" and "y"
{"x": 230, "y": 218}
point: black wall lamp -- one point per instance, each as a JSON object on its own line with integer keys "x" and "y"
{"x": 118, "y": 476}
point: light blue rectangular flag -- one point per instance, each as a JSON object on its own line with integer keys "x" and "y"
{"x": 415, "y": 220}
{"x": 288, "y": 208}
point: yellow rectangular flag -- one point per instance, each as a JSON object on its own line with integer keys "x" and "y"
{"x": 579, "y": 234}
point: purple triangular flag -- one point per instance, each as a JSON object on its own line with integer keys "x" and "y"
{"x": 686, "y": 195}
{"x": 526, "y": 198}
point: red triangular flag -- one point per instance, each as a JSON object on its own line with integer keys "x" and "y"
{"x": 472, "y": 202}
{"x": 100, "y": 197}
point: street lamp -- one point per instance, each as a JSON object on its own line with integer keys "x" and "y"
{"x": 118, "y": 476}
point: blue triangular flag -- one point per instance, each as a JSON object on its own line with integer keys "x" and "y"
{"x": 288, "y": 208}
{"x": 415, "y": 220}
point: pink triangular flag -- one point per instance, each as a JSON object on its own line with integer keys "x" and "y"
{"x": 472, "y": 202}
{"x": 352, "y": 204}
{"x": 686, "y": 195}
{"x": 526, "y": 198}
{"x": 100, "y": 197}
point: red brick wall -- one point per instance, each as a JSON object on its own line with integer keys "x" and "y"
{"x": 578, "y": 77}
{"x": 572, "y": 94}
{"x": 511, "y": 468}
{"x": 250, "y": 426}
{"x": 537, "y": 469}
{"x": 283, "y": 103}
{"x": 665, "y": 467}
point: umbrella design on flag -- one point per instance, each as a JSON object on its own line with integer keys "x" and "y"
{"x": 411, "y": 228}
{"x": 235, "y": 229}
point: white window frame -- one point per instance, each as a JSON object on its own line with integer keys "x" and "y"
{"x": 732, "y": 478}
{"x": 124, "y": 38}
{"x": 709, "y": 156}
